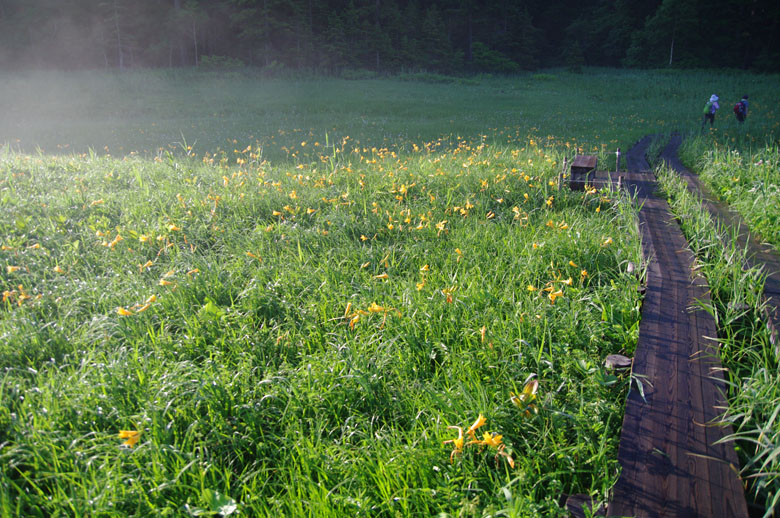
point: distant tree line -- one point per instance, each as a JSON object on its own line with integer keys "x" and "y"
{"x": 448, "y": 36}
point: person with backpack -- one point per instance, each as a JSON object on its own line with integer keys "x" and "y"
{"x": 709, "y": 111}
{"x": 741, "y": 109}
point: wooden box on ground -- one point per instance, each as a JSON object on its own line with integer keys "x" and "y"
{"x": 583, "y": 170}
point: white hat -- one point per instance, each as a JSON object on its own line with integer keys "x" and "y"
{"x": 713, "y": 98}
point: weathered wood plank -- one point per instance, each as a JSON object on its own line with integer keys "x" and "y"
{"x": 670, "y": 463}
{"x": 760, "y": 254}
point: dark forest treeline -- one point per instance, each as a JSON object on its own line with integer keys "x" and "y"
{"x": 450, "y": 36}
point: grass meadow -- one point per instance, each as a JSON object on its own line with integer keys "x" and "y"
{"x": 240, "y": 295}
{"x": 747, "y": 178}
{"x": 150, "y": 111}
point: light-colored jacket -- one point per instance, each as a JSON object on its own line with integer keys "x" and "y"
{"x": 715, "y": 106}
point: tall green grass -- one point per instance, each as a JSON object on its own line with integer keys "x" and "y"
{"x": 746, "y": 351}
{"x": 745, "y": 176}
{"x": 299, "y": 338}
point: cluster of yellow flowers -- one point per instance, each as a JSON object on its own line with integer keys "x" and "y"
{"x": 525, "y": 401}
{"x": 352, "y": 317}
{"x": 489, "y": 439}
{"x": 18, "y": 295}
{"x": 554, "y": 288}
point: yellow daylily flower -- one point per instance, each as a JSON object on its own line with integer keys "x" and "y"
{"x": 481, "y": 421}
{"x": 131, "y": 437}
{"x": 123, "y": 312}
{"x": 354, "y": 320}
{"x": 376, "y": 308}
{"x": 491, "y": 439}
{"x": 441, "y": 226}
{"x": 525, "y": 400}
{"x": 457, "y": 443}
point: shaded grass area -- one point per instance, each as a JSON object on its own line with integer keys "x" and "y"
{"x": 145, "y": 111}
{"x": 745, "y": 348}
{"x": 300, "y": 337}
{"x": 745, "y": 176}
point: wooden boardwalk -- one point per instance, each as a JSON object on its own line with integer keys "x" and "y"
{"x": 671, "y": 464}
{"x": 759, "y": 254}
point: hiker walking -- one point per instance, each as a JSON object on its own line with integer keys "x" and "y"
{"x": 741, "y": 109}
{"x": 709, "y": 111}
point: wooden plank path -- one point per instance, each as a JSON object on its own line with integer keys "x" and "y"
{"x": 670, "y": 463}
{"x": 759, "y": 254}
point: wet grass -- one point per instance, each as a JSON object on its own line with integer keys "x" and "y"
{"x": 306, "y": 339}
{"x": 290, "y": 296}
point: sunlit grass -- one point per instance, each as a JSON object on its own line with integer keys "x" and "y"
{"x": 300, "y": 292}
{"x": 299, "y": 337}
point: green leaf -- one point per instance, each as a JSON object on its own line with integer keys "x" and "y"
{"x": 220, "y": 503}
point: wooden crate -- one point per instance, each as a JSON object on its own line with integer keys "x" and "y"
{"x": 583, "y": 170}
